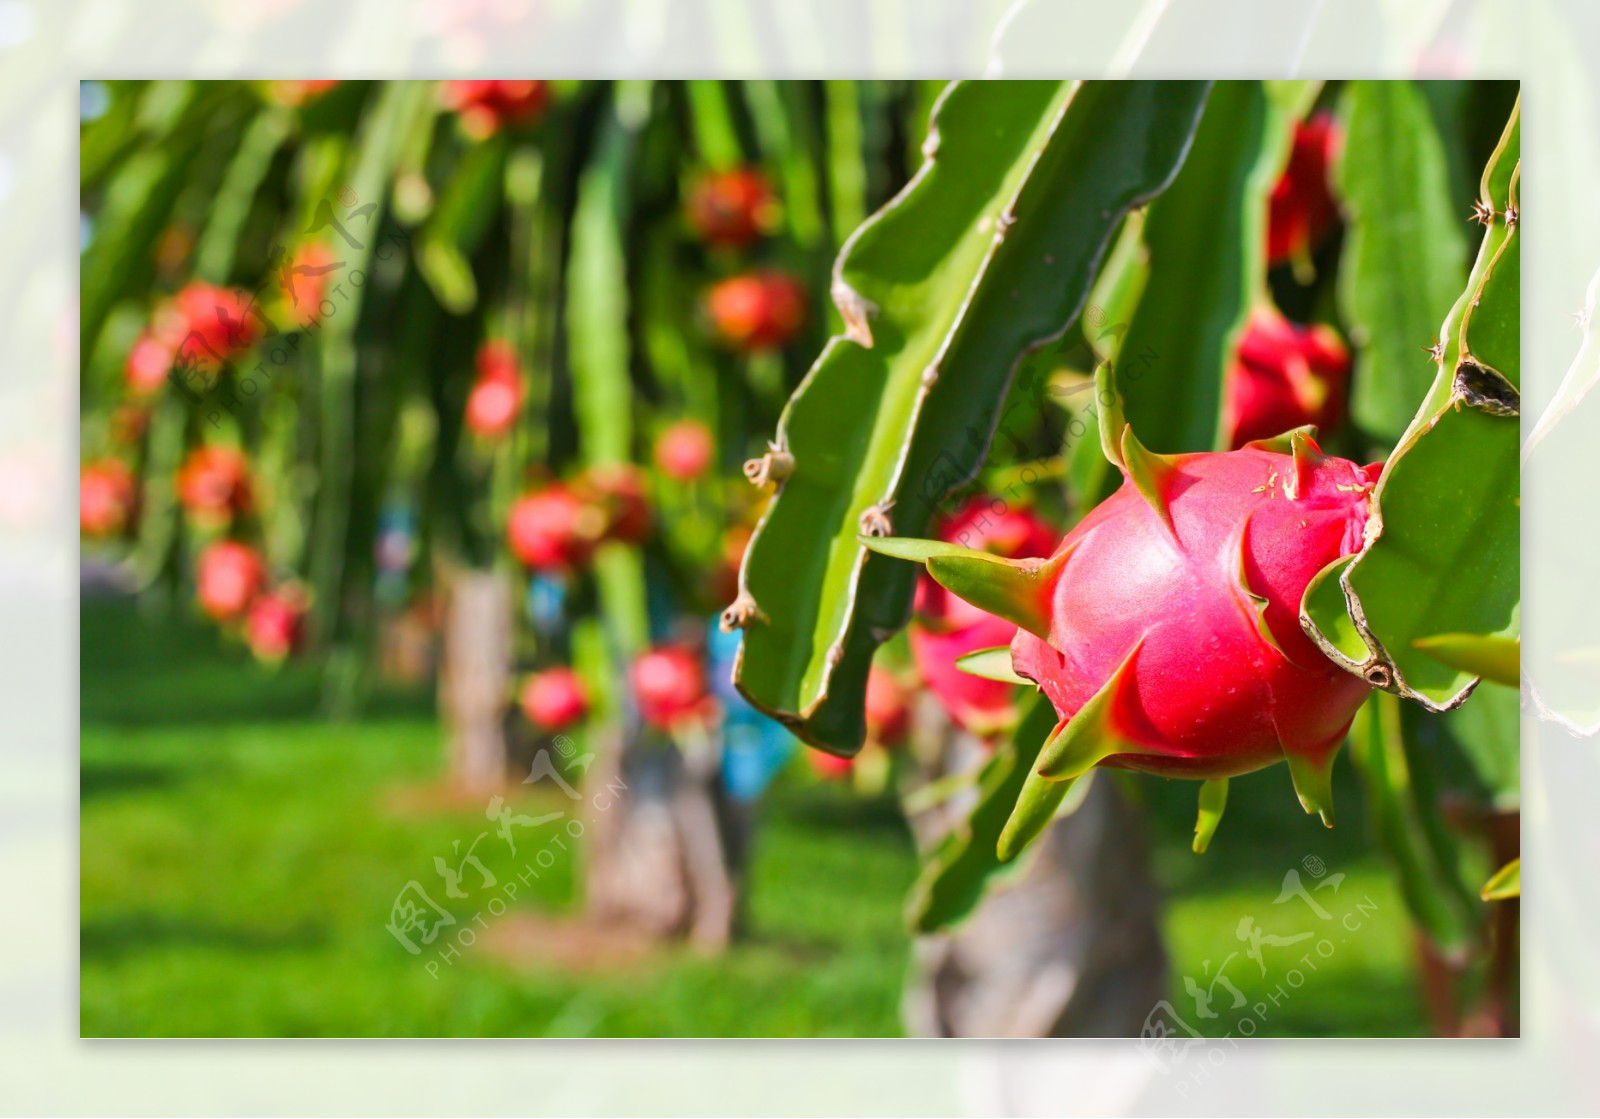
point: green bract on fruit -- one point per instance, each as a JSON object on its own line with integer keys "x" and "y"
{"x": 1165, "y": 627}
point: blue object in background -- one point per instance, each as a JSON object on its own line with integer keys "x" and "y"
{"x": 547, "y": 598}
{"x": 755, "y": 748}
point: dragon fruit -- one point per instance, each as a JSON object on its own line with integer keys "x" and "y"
{"x": 554, "y": 699}
{"x": 1302, "y": 209}
{"x": 946, "y": 628}
{"x": 1164, "y": 628}
{"x": 1284, "y": 376}
{"x": 888, "y": 708}
{"x": 731, "y": 208}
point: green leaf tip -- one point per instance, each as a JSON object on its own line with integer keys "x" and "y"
{"x": 1213, "y": 799}
{"x": 1091, "y": 735}
{"x": 991, "y": 664}
{"x": 1313, "y": 783}
{"x": 1307, "y": 457}
{"x": 1284, "y": 444}
{"x": 1505, "y": 883}
{"x": 1108, "y": 405}
{"x": 1150, "y": 473}
{"x": 1496, "y": 659}
{"x": 1016, "y": 590}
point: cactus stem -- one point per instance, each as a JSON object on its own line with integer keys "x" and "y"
{"x": 1092, "y": 734}
{"x": 1213, "y": 799}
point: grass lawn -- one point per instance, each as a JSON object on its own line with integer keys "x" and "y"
{"x": 239, "y": 857}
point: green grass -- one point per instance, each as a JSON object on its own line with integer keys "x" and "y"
{"x": 240, "y": 855}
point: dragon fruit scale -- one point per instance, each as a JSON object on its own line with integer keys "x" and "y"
{"x": 1164, "y": 628}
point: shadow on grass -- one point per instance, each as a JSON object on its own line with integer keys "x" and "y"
{"x": 114, "y": 939}
{"x": 140, "y": 667}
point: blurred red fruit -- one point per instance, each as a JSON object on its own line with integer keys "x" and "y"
{"x": 1285, "y": 376}
{"x": 304, "y": 279}
{"x": 730, "y": 208}
{"x": 105, "y": 498}
{"x": 492, "y": 407}
{"x": 830, "y": 767}
{"x": 214, "y": 483}
{"x": 230, "y": 576}
{"x": 553, "y": 529}
{"x": 619, "y": 490}
{"x": 888, "y": 707}
{"x": 273, "y": 627}
{"x": 487, "y": 106}
{"x": 219, "y": 324}
{"x": 669, "y": 685}
{"x": 758, "y": 311}
{"x": 496, "y": 398}
{"x": 554, "y": 699}
{"x": 684, "y": 450}
{"x": 1302, "y": 208}
{"x": 149, "y": 361}
{"x": 946, "y": 627}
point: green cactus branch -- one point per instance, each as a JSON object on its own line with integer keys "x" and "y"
{"x": 1442, "y": 550}
{"x": 988, "y": 252}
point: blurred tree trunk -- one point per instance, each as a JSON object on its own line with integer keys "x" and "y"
{"x": 475, "y": 677}
{"x": 666, "y": 846}
{"x": 1071, "y": 947}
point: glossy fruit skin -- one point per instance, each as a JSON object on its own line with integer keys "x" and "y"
{"x": 669, "y": 686}
{"x": 228, "y": 578}
{"x": 1302, "y": 209}
{"x": 488, "y": 106}
{"x": 106, "y": 498}
{"x": 1284, "y": 376}
{"x": 214, "y": 483}
{"x": 273, "y": 628}
{"x": 554, "y": 699}
{"x": 1207, "y": 693}
{"x": 945, "y": 627}
{"x": 684, "y": 450}
{"x": 888, "y": 708}
{"x": 758, "y": 310}
{"x": 730, "y": 208}
{"x": 553, "y": 529}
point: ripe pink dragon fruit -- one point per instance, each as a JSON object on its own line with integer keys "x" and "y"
{"x": 946, "y": 628}
{"x": 1164, "y": 628}
{"x": 669, "y": 685}
{"x": 276, "y": 623}
{"x": 554, "y": 699}
{"x": 228, "y": 577}
{"x": 1285, "y": 376}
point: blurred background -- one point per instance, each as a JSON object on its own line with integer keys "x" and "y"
{"x": 419, "y": 422}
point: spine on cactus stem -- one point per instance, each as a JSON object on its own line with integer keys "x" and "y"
{"x": 1162, "y": 627}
